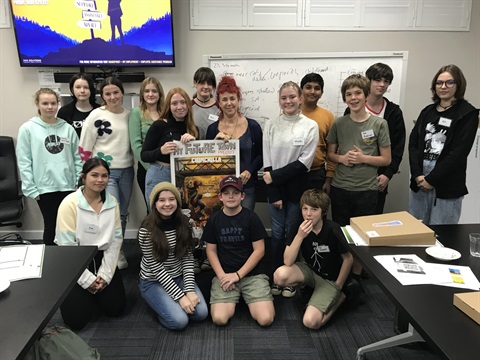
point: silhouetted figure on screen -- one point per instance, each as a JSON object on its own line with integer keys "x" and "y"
{"x": 115, "y": 13}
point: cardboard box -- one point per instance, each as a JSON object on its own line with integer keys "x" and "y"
{"x": 398, "y": 228}
{"x": 469, "y": 303}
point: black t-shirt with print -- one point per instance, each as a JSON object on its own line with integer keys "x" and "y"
{"x": 322, "y": 252}
{"x": 234, "y": 236}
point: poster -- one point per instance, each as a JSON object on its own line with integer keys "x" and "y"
{"x": 197, "y": 169}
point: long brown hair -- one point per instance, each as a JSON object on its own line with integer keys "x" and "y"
{"x": 161, "y": 94}
{"x": 183, "y": 234}
{"x": 167, "y": 113}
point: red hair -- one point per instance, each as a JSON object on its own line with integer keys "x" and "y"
{"x": 228, "y": 84}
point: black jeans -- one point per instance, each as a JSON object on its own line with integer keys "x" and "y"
{"x": 48, "y": 204}
{"x": 347, "y": 204}
{"x": 141, "y": 174}
{"x": 80, "y": 305}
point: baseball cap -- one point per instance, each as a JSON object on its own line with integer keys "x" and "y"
{"x": 231, "y": 181}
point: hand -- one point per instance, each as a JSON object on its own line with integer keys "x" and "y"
{"x": 223, "y": 136}
{"x": 193, "y": 297}
{"x": 305, "y": 228}
{"x": 37, "y": 198}
{"x": 419, "y": 179}
{"x": 278, "y": 204}
{"x": 343, "y": 159}
{"x": 101, "y": 284}
{"x": 186, "y": 138}
{"x": 228, "y": 280}
{"x": 186, "y": 305}
{"x": 382, "y": 182}
{"x": 168, "y": 148}
{"x": 425, "y": 186}
{"x": 267, "y": 177}
{"x": 356, "y": 156}
{"x": 327, "y": 186}
{"x": 245, "y": 176}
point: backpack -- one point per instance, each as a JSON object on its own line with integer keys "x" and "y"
{"x": 60, "y": 343}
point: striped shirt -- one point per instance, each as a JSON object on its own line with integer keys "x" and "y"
{"x": 165, "y": 272}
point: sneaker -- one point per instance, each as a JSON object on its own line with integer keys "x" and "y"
{"x": 206, "y": 265}
{"x": 276, "y": 290}
{"x": 122, "y": 261}
{"x": 196, "y": 267}
{"x": 289, "y": 291}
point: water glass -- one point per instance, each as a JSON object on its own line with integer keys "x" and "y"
{"x": 474, "y": 244}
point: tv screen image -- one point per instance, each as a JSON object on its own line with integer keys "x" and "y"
{"x": 93, "y": 32}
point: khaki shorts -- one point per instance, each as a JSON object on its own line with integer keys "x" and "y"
{"x": 325, "y": 292}
{"x": 253, "y": 289}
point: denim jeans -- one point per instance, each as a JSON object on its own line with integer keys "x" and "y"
{"x": 249, "y": 201}
{"x": 281, "y": 222}
{"x": 156, "y": 173}
{"x": 425, "y": 206}
{"x": 120, "y": 186}
{"x": 169, "y": 312}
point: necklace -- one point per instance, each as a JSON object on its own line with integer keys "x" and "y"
{"x": 203, "y": 101}
{"x": 445, "y": 107}
{"x": 234, "y": 129}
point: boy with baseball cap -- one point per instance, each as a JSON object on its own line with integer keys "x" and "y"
{"x": 235, "y": 248}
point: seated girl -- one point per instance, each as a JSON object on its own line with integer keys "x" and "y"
{"x": 167, "y": 281}
{"x": 90, "y": 216}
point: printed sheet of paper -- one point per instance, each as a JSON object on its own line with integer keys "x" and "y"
{"x": 18, "y": 262}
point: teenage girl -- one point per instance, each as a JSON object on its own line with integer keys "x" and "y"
{"x": 204, "y": 106}
{"x": 83, "y": 101}
{"x": 90, "y": 216}
{"x": 48, "y": 159}
{"x": 234, "y": 125}
{"x": 438, "y": 148}
{"x": 105, "y": 135}
{"x": 141, "y": 117}
{"x": 176, "y": 123}
{"x": 289, "y": 144}
{"x": 167, "y": 281}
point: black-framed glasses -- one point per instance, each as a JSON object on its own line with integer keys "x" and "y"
{"x": 448, "y": 83}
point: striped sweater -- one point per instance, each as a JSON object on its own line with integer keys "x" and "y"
{"x": 165, "y": 272}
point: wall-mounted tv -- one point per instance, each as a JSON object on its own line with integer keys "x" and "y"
{"x": 93, "y": 32}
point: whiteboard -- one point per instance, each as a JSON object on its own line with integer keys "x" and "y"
{"x": 261, "y": 75}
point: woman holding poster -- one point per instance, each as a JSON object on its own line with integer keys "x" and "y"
{"x": 234, "y": 125}
{"x": 175, "y": 124}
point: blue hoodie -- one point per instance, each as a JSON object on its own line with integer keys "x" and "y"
{"x": 47, "y": 156}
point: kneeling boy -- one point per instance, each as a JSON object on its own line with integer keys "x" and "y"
{"x": 235, "y": 248}
{"x": 326, "y": 262}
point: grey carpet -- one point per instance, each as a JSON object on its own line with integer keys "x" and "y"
{"x": 138, "y": 335}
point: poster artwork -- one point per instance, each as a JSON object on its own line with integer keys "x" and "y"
{"x": 197, "y": 169}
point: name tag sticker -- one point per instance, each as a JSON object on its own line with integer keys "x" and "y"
{"x": 372, "y": 234}
{"x": 212, "y": 117}
{"x": 367, "y": 134}
{"x": 65, "y": 141}
{"x": 323, "y": 249}
{"x": 445, "y": 122}
{"x": 298, "y": 142}
{"x": 91, "y": 229}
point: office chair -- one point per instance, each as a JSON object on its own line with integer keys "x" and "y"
{"x": 11, "y": 197}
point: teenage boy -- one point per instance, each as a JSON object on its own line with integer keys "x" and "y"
{"x": 359, "y": 143}
{"x": 381, "y": 76}
{"x": 235, "y": 248}
{"x": 321, "y": 171}
{"x": 325, "y": 262}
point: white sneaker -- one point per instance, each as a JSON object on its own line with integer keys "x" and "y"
{"x": 122, "y": 261}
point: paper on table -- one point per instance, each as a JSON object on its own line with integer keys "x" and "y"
{"x": 460, "y": 276}
{"x": 353, "y": 238}
{"x": 28, "y": 267}
{"x": 429, "y": 274}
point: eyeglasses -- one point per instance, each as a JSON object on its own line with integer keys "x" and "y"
{"x": 448, "y": 83}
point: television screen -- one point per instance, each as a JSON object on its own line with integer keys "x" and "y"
{"x": 93, "y": 32}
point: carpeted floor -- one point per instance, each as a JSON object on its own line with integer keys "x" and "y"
{"x": 138, "y": 335}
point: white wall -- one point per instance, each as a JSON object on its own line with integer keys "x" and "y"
{"x": 428, "y": 51}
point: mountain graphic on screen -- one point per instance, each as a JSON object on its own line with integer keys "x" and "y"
{"x": 147, "y": 44}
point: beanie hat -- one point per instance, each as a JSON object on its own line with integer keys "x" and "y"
{"x": 164, "y": 186}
